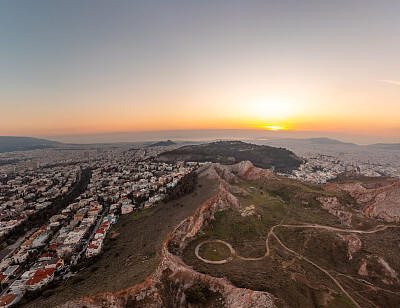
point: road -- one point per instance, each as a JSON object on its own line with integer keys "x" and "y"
{"x": 79, "y": 256}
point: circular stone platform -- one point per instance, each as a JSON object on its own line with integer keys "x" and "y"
{"x": 196, "y": 252}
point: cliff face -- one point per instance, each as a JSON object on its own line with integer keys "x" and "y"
{"x": 167, "y": 285}
{"x": 386, "y": 203}
{"x": 382, "y": 202}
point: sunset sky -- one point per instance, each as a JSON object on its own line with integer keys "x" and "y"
{"x": 82, "y": 67}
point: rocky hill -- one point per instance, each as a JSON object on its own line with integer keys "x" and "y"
{"x": 230, "y": 152}
{"x": 170, "y": 284}
{"x": 267, "y": 241}
{"x": 378, "y": 199}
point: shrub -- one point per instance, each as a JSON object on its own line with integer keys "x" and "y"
{"x": 197, "y": 294}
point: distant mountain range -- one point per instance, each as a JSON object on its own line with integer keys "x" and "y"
{"x": 331, "y": 142}
{"x": 10, "y": 144}
{"x": 386, "y": 146}
{"x": 313, "y": 141}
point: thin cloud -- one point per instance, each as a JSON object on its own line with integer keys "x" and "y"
{"x": 391, "y": 81}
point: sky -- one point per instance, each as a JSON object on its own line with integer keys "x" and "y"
{"x": 93, "y": 67}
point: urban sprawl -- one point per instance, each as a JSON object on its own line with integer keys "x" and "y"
{"x": 57, "y": 205}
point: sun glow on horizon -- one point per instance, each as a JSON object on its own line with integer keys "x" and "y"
{"x": 273, "y": 113}
{"x": 273, "y": 127}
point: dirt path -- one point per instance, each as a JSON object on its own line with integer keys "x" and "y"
{"x": 233, "y": 252}
{"x": 379, "y": 228}
{"x": 320, "y": 268}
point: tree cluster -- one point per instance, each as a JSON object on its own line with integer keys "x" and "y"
{"x": 185, "y": 185}
{"x": 229, "y": 152}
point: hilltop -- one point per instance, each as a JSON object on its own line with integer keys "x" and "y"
{"x": 10, "y": 144}
{"x": 162, "y": 144}
{"x": 230, "y": 152}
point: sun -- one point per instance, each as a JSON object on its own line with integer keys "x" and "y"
{"x": 271, "y": 113}
{"x": 273, "y": 127}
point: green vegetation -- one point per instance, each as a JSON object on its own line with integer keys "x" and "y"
{"x": 214, "y": 251}
{"x": 185, "y": 185}
{"x": 300, "y": 279}
{"x": 290, "y": 277}
{"x": 229, "y": 152}
{"x": 162, "y": 144}
{"x": 196, "y": 294}
{"x": 141, "y": 213}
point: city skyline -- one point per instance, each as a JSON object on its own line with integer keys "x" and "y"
{"x": 97, "y": 67}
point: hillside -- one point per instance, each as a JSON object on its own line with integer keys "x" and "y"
{"x": 229, "y": 152}
{"x": 10, "y": 144}
{"x": 310, "y": 141}
{"x": 162, "y": 144}
{"x": 133, "y": 249}
{"x": 309, "y": 245}
{"x": 267, "y": 241}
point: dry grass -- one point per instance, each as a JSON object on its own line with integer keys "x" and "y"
{"x": 294, "y": 280}
{"x": 135, "y": 253}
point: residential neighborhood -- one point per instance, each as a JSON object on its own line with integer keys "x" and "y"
{"x": 54, "y": 216}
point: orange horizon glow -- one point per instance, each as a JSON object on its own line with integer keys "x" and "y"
{"x": 327, "y": 126}
{"x": 297, "y": 110}
{"x": 193, "y": 66}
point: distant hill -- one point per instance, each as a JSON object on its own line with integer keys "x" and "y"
{"x": 162, "y": 144}
{"x": 229, "y": 152}
{"x": 385, "y": 146}
{"x": 325, "y": 141}
{"x": 10, "y": 144}
{"x": 311, "y": 141}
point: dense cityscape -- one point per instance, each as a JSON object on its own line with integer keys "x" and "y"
{"x": 57, "y": 205}
{"x": 320, "y": 168}
{"x": 57, "y": 211}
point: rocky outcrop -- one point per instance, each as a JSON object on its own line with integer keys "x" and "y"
{"x": 390, "y": 272}
{"x": 248, "y": 172}
{"x": 232, "y": 173}
{"x": 333, "y": 206}
{"x": 353, "y": 244}
{"x": 363, "y": 269}
{"x": 248, "y": 211}
{"x": 386, "y": 203}
{"x": 189, "y": 227}
{"x": 218, "y": 171}
{"x": 382, "y": 202}
{"x": 166, "y": 286}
